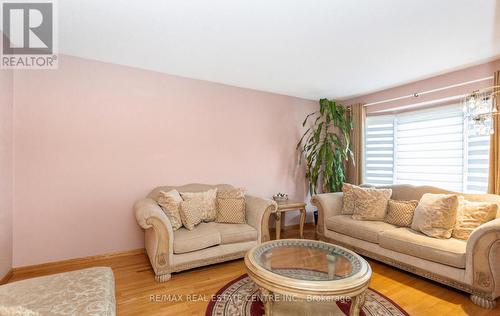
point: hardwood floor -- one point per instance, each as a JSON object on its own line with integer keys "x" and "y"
{"x": 138, "y": 294}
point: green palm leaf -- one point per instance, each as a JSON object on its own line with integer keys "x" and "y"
{"x": 325, "y": 146}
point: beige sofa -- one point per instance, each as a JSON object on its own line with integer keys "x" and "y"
{"x": 472, "y": 266}
{"x": 172, "y": 251}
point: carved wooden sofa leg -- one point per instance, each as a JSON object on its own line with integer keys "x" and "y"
{"x": 483, "y": 301}
{"x": 163, "y": 277}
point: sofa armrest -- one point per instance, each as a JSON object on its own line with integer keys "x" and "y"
{"x": 328, "y": 205}
{"x": 159, "y": 235}
{"x": 258, "y": 211}
{"x": 483, "y": 259}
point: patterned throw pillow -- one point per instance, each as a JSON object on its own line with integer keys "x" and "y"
{"x": 370, "y": 204}
{"x": 347, "y": 199}
{"x": 435, "y": 215}
{"x": 400, "y": 213}
{"x": 191, "y": 213}
{"x": 206, "y": 201}
{"x": 231, "y": 206}
{"x": 471, "y": 215}
{"x": 170, "y": 202}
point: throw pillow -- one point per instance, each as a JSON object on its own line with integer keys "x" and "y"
{"x": 191, "y": 213}
{"x": 400, "y": 213}
{"x": 471, "y": 215}
{"x": 206, "y": 201}
{"x": 435, "y": 215}
{"x": 231, "y": 206}
{"x": 170, "y": 202}
{"x": 370, "y": 204}
{"x": 347, "y": 199}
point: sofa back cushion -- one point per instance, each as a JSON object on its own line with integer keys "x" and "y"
{"x": 192, "y": 187}
{"x": 413, "y": 192}
{"x": 408, "y": 192}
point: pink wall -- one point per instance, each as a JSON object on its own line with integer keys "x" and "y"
{"x": 444, "y": 80}
{"x": 6, "y": 179}
{"x": 92, "y": 137}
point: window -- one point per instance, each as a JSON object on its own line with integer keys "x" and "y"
{"x": 431, "y": 147}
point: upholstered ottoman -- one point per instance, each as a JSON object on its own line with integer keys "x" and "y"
{"x": 82, "y": 292}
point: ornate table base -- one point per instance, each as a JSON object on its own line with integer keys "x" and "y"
{"x": 289, "y": 307}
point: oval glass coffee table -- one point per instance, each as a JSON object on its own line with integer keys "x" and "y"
{"x": 307, "y": 277}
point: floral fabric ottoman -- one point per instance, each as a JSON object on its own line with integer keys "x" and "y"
{"x": 82, "y": 292}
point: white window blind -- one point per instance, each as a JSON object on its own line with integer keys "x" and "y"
{"x": 477, "y": 163}
{"x": 426, "y": 147}
{"x": 430, "y": 148}
{"x": 379, "y": 150}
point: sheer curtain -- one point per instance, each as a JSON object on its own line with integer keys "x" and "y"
{"x": 355, "y": 167}
{"x": 494, "y": 174}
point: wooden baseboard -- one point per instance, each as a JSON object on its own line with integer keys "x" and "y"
{"x": 297, "y": 226}
{"x": 6, "y": 277}
{"x": 292, "y": 227}
{"x": 68, "y": 264}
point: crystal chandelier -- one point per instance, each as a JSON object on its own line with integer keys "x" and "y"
{"x": 479, "y": 109}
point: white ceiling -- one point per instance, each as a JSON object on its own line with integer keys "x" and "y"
{"x": 309, "y": 49}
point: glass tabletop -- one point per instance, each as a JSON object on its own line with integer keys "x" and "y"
{"x": 307, "y": 260}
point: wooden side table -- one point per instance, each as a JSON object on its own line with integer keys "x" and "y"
{"x": 285, "y": 206}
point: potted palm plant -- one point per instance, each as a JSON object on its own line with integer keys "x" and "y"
{"x": 325, "y": 147}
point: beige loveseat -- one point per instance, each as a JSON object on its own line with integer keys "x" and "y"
{"x": 471, "y": 265}
{"x": 172, "y": 251}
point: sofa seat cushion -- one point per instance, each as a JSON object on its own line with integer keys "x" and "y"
{"x": 202, "y": 236}
{"x": 365, "y": 230}
{"x": 450, "y": 251}
{"x": 234, "y": 233}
